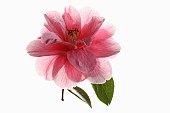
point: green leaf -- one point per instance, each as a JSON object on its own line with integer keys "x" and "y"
{"x": 81, "y": 94}
{"x": 104, "y": 91}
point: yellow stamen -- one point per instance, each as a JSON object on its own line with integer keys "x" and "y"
{"x": 73, "y": 34}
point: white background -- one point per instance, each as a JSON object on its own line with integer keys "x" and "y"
{"x": 141, "y": 69}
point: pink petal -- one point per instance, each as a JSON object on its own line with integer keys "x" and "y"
{"x": 72, "y": 18}
{"x": 72, "y": 73}
{"x": 92, "y": 27}
{"x": 101, "y": 73}
{"x": 104, "y": 48}
{"x": 82, "y": 59}
{"x": 49, "y": 38}
{"x": 62, "y": 79}
{"x": 48, "y": 27}
{"x": 44, "y": 66}
{"x": 37, "y": 48}
{"x": 58, "y": 64}
{"x": 105, "y": 32}
{"x": 56, "y": 23}
{"x": 44, "y": 30}
{"x": 86, "y": 14}
{"x": 54, "y": 68}
{"x": 87, "y": 41}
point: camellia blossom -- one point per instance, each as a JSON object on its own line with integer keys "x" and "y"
{"x": 74, "y": 47}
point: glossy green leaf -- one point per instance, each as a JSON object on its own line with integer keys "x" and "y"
{"x": 81, "y": 94}
{"x": 104, "y": 91}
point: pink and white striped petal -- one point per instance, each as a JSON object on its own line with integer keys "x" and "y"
{"x": 86, "y": 14}
{"x": 44, "y": 66}
{"x": 72, "y": 73}
{"x": 72, "y": 18}
{"x": 38, "y": 49}
{"x": 82, "y": 59}
{"x": 55, "y": 23}
{"x": 50, "y": 38}
{"x": 92, "y": 27}
{"x": 44, "y": 30}
{"x": 101, "y": 73}
{"x": 62, "y": 79}
{"x": 106, "y": 31}
{"x": 104, "y": 48}
{"x": 58, "y": 64}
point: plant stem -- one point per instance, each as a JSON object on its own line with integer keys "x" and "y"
{"x": 62, "y": 97}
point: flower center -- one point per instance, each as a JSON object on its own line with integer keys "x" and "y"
{"x": 73, "y": 34}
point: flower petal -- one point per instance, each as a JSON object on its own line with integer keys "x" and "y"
{"x": 106, "y": 31}
{"x": 37, "y": 49}
{"x": 86, "y": 14}
{"x": 101, "y": 73}
{"x": 56, "y": 23}
{"x": 62, "y": 80}
{"x": 82, "y": 59}
{"x": 53, "y": 68}
{"x": 47, "y": 27}
{"x": 44, "y": 66}
{"x": 49, "y": 38}
{"x": 92, "y": 27}
{"x": 44, "y": 30}
{"x": 73, "y": 73}
{"x": 87, "y": 41}
{"x": 72, "y": 18}
{"x": 58, "y": 64}
{"x": 104, "y": 48}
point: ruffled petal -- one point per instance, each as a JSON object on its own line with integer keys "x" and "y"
{"x": 87, "y": 41}
{"x": 86, "y": 14}
{"x": 48, "y": 27}
{"x": 101, "y": 73}
{"x": 37, "y": 49}
{"x": 72, "y": 73}
{"x": 44, "y": 66}
{"x": 49, "y": 38}
{"x": 82, "y": 59}
{"x": 106, "y": 31}
{"x": 53, "y": 68}
{"x": 91, "y": 28}
{"x": 56, "y": 23}
{"x": 72, "y": 18}
{"x": 44, "y": 30}
{"x": 62, "y": 79}
{"x": 58, "y": 64}
{"x": 104, "y": 48}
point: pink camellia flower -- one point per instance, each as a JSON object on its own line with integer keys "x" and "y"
{"x": 74, "y": 47}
